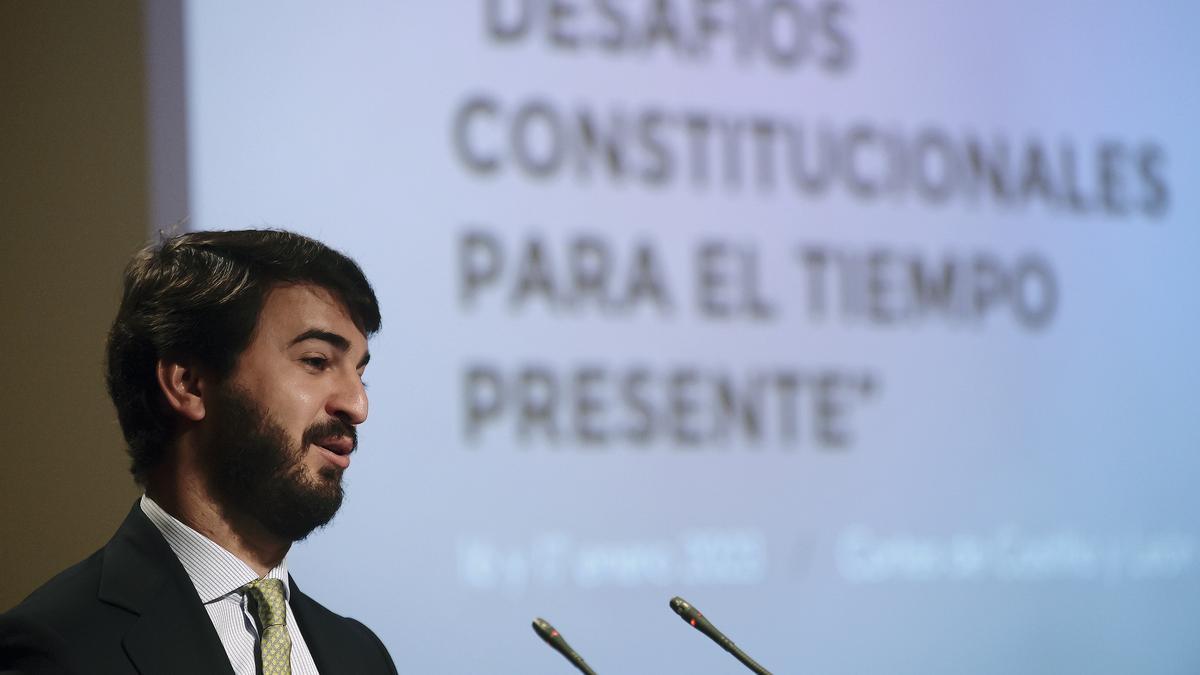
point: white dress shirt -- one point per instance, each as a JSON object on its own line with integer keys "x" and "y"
{"x": 219, "y": 576}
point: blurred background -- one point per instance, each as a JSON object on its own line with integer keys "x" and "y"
{"x": 867, "y": 327}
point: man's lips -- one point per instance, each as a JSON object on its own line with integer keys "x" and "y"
{"x": 337, "y": 450}
{"x": 341, "y": 445}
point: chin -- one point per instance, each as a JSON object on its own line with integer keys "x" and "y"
{"x": 329, "y": 474}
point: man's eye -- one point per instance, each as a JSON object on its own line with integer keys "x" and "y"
{"x": 316, "y": 362}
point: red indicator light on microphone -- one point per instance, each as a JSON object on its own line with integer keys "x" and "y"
{"x": 553, "y": 633}
{"x": 693, "y": 622}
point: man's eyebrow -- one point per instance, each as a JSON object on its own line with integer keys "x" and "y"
{"x": 339, "y": 342}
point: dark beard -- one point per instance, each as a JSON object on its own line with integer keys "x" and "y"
{"x": 252, "y": 469}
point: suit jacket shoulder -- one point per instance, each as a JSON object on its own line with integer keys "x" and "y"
{"x": 37, "y": 635}
{"x": 131, "y": 608}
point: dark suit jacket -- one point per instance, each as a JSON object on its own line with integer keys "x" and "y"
{"x": 131, "y": 608}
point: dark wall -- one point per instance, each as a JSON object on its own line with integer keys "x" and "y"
{"x": 73, "y": 207}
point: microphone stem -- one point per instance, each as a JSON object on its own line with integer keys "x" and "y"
{"x": 749, "y": 662}
{"x": 744, "y": 658}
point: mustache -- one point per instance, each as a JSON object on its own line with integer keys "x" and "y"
{"x": 331, "y": 428}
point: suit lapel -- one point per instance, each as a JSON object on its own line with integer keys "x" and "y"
{"x": 173, "y": 633}
{"x": 338, "y": 644}
{"x": 315, "y": 630}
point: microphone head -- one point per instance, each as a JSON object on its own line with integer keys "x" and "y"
{"x": 692, "y": 616}
{"x": 685, "y": 610}
{"x": 544, "y": 630}
{"x": 553, "y": 638}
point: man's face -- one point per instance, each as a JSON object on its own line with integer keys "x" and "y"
{"x": 283, "y": 423}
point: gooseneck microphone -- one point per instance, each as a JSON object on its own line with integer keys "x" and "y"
{"x": 693, "y": 616}
{"x": 555, "y": 639}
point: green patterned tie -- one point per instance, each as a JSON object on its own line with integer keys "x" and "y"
{"x": 275, "y": 647}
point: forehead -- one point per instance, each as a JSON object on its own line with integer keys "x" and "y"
{"x": 292, "y": 309}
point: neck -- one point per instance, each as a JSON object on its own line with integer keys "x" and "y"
{"x": 182, "y": 493}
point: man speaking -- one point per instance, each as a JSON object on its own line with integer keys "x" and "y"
{"x": 235, "y": 364}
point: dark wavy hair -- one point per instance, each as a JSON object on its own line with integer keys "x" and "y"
{"x": 196, "y": 297}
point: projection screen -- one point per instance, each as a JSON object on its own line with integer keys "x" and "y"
{"x": 870, "y": 328}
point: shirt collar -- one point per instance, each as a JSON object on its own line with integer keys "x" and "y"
{"x": 214, "y": 571}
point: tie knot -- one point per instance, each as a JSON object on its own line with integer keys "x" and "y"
{"x": 268, "y": 596}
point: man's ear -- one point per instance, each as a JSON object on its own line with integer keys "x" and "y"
{"x": 182, "y": 387}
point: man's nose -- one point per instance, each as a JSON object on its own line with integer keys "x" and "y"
{"x": 349, "y": 402}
